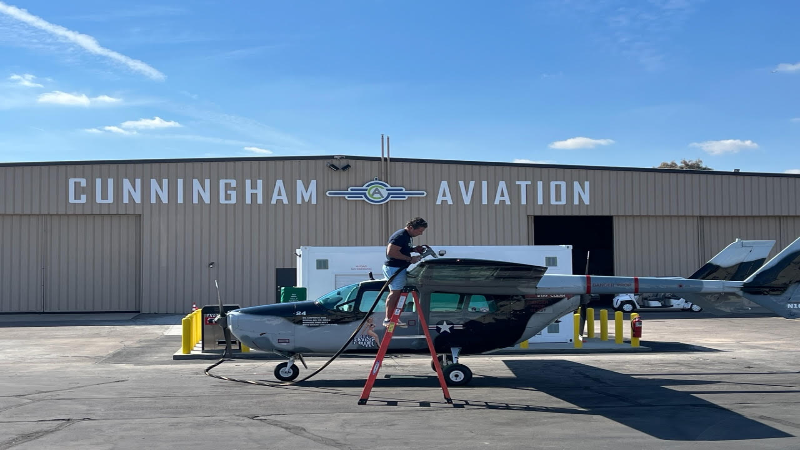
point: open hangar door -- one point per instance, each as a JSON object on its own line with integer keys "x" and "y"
{"x": 593, "y": 234}
{"x": 71, "y": 263}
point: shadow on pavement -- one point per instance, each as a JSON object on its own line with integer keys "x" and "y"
{"x": 643, "y": 404}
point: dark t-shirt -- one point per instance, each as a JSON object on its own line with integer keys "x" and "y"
{"x": 402, "y": 239}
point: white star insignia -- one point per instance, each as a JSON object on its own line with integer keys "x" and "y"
{"x": 444, "y": 327}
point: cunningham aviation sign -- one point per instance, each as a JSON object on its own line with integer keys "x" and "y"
{"x": 375, "y": 192}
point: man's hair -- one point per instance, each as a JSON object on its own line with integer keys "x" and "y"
{"x": 417, "y": 222}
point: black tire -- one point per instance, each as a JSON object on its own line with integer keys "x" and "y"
{"x": 627, "y": 306}
{"x": 285, "y": 373}
{"x": 457, "y": 375}
{"x": 448, "y": 360}
{"x": 696, "y": 308}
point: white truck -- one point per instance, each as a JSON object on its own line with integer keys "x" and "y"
{"x": 323, "y": 269}
{"x": 664, "y": 302}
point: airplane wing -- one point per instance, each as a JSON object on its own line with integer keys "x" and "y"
{"x": 475, "y": 275}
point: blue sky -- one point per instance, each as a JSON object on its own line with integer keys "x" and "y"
{"x": 589, "y": 82}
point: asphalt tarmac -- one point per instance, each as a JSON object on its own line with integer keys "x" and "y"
{"x": 110, "y": 382}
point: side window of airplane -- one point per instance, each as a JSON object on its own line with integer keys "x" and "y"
{"x": 368, "y": 298}
{"x": 479, "y": 303}
{"x": 340, "y": 299}
{"x": 446, "y": 302}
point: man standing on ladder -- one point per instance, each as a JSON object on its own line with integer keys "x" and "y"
{"x": 398, "y": 258}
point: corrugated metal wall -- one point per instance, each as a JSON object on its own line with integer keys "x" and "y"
{"x": 20, "y": 263}
{"x": 249, "y": 241}
{"x": 92, "y": 263}
{"x": 70, "y": 263}
{"x": 677, "y": 246}
{"x": 656, "y": 246}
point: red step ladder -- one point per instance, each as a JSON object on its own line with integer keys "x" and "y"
{"x": 376, "y": 366}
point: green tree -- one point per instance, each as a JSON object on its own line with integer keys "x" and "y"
{"x": 690, "y": 164}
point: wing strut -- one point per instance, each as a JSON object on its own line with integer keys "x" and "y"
{"x": 387, "y": 337}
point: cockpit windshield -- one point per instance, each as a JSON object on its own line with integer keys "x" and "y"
{"x": 341, "y": 299}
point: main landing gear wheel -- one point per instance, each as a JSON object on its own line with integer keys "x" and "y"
{"x": 448, "y": 360}
{"x": 285, "y": 372}
{"x": 457, "y": 375}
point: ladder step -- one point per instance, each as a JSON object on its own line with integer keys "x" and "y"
{"x": 411, "y": 336}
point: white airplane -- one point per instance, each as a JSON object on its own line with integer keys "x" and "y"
{"x": 473, "y": 306}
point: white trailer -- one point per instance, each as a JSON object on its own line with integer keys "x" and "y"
{"x": 323, "y": 269}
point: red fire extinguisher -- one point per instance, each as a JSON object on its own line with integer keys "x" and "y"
{"x": 636, "y": 327}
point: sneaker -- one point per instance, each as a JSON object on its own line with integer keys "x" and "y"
{"x": 400, "y": 324}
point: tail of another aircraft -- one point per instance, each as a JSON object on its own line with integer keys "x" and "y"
{"x": 735, "y": 262}
{"x": 776, "y": 285}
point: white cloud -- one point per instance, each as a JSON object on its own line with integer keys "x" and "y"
{"x": 261, "y": 151}
{"x": 118, "y": 130}
{"x": 794, "y": 171}
{"x": 530, "y": 161}
{"x": 84, "y": 41}
{"x": 724, "y": 146}
{"x": 106, "y": 99}
{"x": 796, "y": 119}
{"x": 149, "y": 124}
{"x": 580, "y": 142}
{"x": 63, "y": 98}
{"x": 783, "y": 67}
{"x": 25, "y": 80}
{"x": 93, "y": 130}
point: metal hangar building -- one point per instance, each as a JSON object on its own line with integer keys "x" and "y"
{"x": 106, "y": 236}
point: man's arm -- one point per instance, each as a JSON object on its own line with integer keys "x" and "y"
{"x": 393, "y": 251}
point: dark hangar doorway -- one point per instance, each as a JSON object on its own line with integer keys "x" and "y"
{"x": 585, "y": 233}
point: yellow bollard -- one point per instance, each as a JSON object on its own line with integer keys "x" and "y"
{"x": 186, "y": 336}
{"x": 603, "y": 324}
{"x": 576, "y": 337}
{"x": 246, "y": 349}
{"x": 198, "y": 323}
{"x": 634, "y": 340}
{"x": 523, "y": 344}
{"x": 590, "y": 322}
{"x": 618, "y": 327}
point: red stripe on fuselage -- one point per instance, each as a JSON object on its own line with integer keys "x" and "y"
{"x": 588, "y": 284}
{"x": 635, "y": 285}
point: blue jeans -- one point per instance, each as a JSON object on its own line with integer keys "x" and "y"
{"x": 399, "y": 281}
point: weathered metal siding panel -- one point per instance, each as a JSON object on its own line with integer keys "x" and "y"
{"x": 790, "y": 231}
{"x": 656, "y": 246}
{"x": 20, "y": 263}
{"x": 92, "y": 263}
{"x": 718, "y": 232}
{"x": 249, "y": 241}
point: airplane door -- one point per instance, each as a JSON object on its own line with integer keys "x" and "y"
{"x": 401, "y": 339}
{"x": 446, "y": 319}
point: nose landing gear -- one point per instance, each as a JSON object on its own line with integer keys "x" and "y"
{"x": 288, "y": 371}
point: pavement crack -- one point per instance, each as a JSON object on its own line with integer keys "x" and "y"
{"x": 72, "y": 388}
{"x": 780, "y": 421}
{"x": 302, "y": 432}
{"x": 21, "y": 439}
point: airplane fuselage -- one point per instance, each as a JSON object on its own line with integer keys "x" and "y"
{"x": 473, "y": 323}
